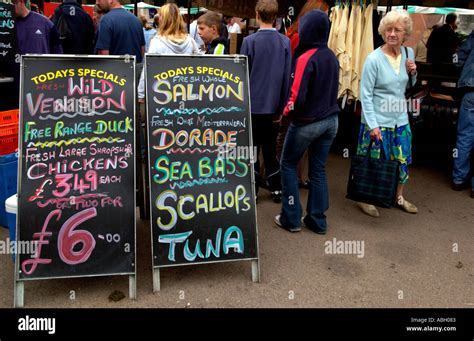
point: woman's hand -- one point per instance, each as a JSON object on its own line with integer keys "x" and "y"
{"x": 375, "y": 134}
{"x": 411, "y": 67}
{"x": 141, "y": 100}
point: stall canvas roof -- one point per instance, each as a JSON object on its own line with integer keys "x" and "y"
{"x": 141, "y": 5}
{"x": 430, "y": 10}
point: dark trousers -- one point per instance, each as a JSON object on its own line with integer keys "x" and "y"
{"x": 264, "y": 134}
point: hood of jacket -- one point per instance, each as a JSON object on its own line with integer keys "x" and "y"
{"x": 178, "y": 47}
{"x": 313, "y": 30}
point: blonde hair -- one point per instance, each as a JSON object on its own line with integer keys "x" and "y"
{"x": 172, "y": 24}
{"x": 393, "y": 17}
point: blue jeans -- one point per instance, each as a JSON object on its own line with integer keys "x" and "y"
{"x": 465, "y": 139}
{"x": 317, "y": 137}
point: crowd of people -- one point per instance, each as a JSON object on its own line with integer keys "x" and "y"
{"x": 293, "y": 87}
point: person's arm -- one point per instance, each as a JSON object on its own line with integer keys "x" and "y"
{"x": 285, "y": 87}
{"x": 142, "y": 42}
{"x": 246, "y": 50}
{"x": 104, "y": 37}
{"x": 141, "y": 87}
{"x": 367, "y": 85}
{"x": 55, "y": 16}
{"x": 465, "y": 50}
{"x": 411, "y": 65}
{"x": 303, "y": 74}
{"x": 55, "y": 46}
{"x": 90, "y": 35}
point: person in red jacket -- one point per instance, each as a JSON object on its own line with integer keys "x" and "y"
{"x": 313, "y": 112}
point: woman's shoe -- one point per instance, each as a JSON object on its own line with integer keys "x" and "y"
{"x": 369, "y": 209}
{"x": 406, "y": 205}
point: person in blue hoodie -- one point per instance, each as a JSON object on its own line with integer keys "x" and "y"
{"x": 313, "y": 112}
{"x": 269, "y": 61}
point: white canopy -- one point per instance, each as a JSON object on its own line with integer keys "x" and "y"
{"x": 430, "y": 10}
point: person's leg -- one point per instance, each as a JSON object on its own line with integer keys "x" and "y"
{"x": 362, "y": 149}
{"x": 465, "y": 141}
{"x": 318, "y": 198}
{"x": 282, "y": 129}
{"x": 303, "y": 167}
{"x": 256, "y": 128}
{"x": 400, "y": 149}
{"x": 269, "y": 151}
{"x": 296, "y": 141}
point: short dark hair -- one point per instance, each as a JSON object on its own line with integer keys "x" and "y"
{"x": 267, "y": 10}
{"x": 210, "y": 19}
{"x": 451, "y": 18}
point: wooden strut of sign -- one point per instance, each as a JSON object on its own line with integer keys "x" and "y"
{"x": 185, "y": 94}
{"x": 80, "y": 112}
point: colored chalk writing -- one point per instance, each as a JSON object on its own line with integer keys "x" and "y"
{"x": 8, "y": 42}
{"x": 77, "y": 175}
{"x": 202, "y": 203}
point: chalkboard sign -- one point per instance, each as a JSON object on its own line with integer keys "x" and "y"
{"x": 201, "y": 174}
{"x": 8, "y": 44}
{"x": 77, "y": 171}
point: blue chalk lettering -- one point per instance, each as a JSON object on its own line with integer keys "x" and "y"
{"x": 197, "y": 251}
{"x": 215, "y": 250}
{"x": 235, "y": 243}
{"x": 172, "y": 239}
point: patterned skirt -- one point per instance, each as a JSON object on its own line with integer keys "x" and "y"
{"x": 396, "y": 143}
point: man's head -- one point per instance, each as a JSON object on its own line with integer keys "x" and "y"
{"x": 227, "y": 19}
{"x": 107, "y": 5}
{"x": 97, "y": 15}
{"x": 21, "y": 8}
{"x": 451, "y": 20}
{"x": 267, "y": 11}
{"x": 209, "y": 26}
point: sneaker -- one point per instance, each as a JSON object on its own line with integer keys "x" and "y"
{"x": 406, "y": 205}
{"x": 369, "y": 209}
{"x": 276, "y": 196}
{"x": 290, "y": 229}
{"x": 459, "y": 186}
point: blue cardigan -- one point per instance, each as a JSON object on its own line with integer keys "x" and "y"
{"x": 382, "y": 91}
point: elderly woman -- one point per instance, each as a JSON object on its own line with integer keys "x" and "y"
{"x": 384, "y": 115}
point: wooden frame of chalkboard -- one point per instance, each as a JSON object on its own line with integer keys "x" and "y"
{"x": 213, "y": 92}
{"x": 95, "y": 178}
